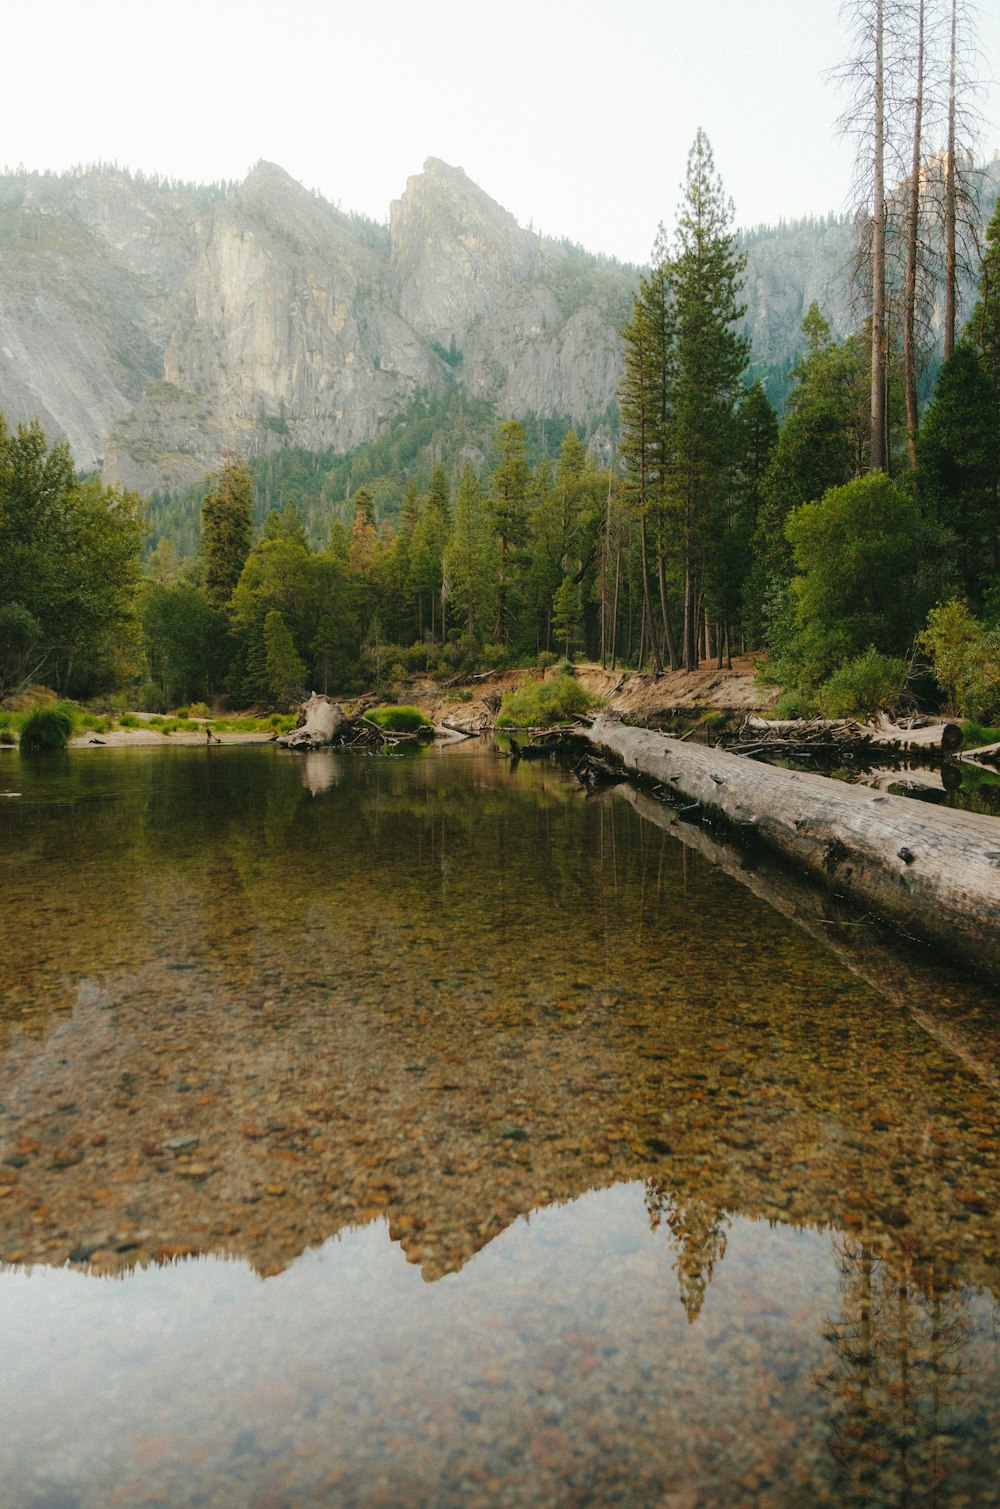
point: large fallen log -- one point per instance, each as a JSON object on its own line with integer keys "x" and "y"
{"x": 918, "y": 735}
{"x": 323, "y": 722}
{"x": 320, "y": 719}
{"x": 932, "y": 871}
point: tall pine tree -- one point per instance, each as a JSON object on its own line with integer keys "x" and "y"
{"x": 710, "y": 356}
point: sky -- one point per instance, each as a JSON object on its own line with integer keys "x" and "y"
{"x": 576, "y": 115}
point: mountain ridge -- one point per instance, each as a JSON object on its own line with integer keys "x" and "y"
{"x": 161, "y": 326}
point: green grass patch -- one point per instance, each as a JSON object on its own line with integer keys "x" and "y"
{"x": 46, "y": 728}
{"x": 975, "y": 735}
{"x": 541, "y": 704}
{"x": 399, "y": 720}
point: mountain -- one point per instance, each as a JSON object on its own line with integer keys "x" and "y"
{"x": 159, "y": 326}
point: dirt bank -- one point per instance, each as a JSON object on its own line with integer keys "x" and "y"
{"x": 628, "y": 693}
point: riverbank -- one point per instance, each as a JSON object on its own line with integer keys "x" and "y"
{"x": 629, "y": 694}
{"x": 126, "y": 738}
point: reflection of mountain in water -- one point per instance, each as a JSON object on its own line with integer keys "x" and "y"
{"x": 448, "y": 1001}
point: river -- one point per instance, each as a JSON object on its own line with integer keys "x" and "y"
{"x": 419, "y": 1131}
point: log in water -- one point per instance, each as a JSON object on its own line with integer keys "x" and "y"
{"x": 932, "y": 871}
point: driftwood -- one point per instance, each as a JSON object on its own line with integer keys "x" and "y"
{"x": 932, "y": 871}
{"x": 323, "y": 722}
{"x": 320, "y": 719}
{"x": 912, "y": 735}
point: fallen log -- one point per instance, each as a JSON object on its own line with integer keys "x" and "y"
{"x": 323, "y": 722}
{"x": 910, "y": 735}
{"x": 320, "y": 719}
{"x": 932, "y": 871}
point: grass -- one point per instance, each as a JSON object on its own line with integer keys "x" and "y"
{"x": 975, "y": 735}
{"x": 80, "y": 720}
{"x": 46, "y": 728}
{"x": 541, "y": 704}
{"x": 399, "y": 720}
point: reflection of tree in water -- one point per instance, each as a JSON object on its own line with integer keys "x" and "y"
{"x": 698, "y": 1229}
{"x": 897, "y": 1380}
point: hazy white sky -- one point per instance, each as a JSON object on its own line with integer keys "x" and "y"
{"x": 575, "y": 114}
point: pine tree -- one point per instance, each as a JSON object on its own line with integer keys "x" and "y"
{"x": 469, "y": 556}
{"x": 567, "y": 615}
{"x": 284, "y": 668}
{"x": 226, "y": 529}
{"x": 509, "y": 516}
{"x": 640, "y": 402}
{"x": 710, "y": 356}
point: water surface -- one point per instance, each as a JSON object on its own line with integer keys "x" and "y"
{"x": 415, "y": 1130}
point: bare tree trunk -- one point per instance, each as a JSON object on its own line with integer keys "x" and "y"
{"x": 668, "y": 628}
{"x": 614, "y": 611}
{"x": 878, "y": 445}
{"x": 647, "y": 607}
{"x": 690, "y": 621}
{"x": 912, "y": 227}
{"x": 949, "y": 196}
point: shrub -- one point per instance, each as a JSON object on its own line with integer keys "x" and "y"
{"x": 863, "y": 686}
{"x": 539, "y": 704}
{"x": 966, "y": 657}
{"x": 545, "y": 659}
{"x": 399, "y": 720}
{"x": 198, "y": 710}
{"x": 151, "y": 698}
{"x": 46, "y": 728}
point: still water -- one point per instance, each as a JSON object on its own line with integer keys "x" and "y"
{"x": 418, "y": 1131}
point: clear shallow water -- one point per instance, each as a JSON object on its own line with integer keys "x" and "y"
{"x": 381, "y": 1131}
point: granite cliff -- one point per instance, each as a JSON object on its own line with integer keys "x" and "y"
{"x": 159, "y": 326}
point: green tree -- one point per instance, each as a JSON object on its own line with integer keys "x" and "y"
{"x": 959, "y": 455}
{"x": 756, "y": 434}
{"x": 821, "y": 444}
{"x": 185, "y": 640}
{"x": 284, "y": 667}
{"x": 644, "y": 396}
{"x": 863, "y": 578}
{"x": 226, "y": 529}
{"x": 470, "y": 557}
{"x": 509, "y": 519}
{"x": 69, "y": 560}
{"x": 567, "y": 615}
{"x": 710, "y": 354}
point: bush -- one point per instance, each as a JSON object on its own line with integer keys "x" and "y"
{"x": 539, "y": 704}
{"x": 151, "y": 698}
{"x": 966, "y": 657}
{"x": 863, "y": 686}
{"x": 46, "y": 728}
{"x": 198, "y": 710}
{"x": 399, "y": 720}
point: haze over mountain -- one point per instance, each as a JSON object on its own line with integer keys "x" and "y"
{"x": 159, "y": 326}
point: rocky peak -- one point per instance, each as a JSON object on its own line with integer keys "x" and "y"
{"x": 455, "y": 252}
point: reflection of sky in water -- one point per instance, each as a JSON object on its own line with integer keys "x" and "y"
{"x": 569, "y": 1323}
